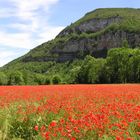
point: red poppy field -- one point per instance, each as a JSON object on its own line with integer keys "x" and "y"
{"x": 70, "y": 112}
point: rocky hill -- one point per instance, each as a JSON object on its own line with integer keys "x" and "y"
{"x": 94, "y": 34}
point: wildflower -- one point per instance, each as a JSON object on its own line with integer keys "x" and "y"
{"x": 47, "y": 135}
{"x": 139, "y": 124}
{"x": 53, "y": 123}
{"x": 73, "y": 138}
{"x": 118, "y": 138}
{"x": 36, "y": 128}
{"x": 43, "y": 128}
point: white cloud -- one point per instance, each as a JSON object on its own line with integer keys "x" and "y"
{"x": 5, "y": 12}
{"x": 30, "y": 26}
{"x": 48, "y": 33}
{"x": 6, "y": 56}
{"x": 25, "y": 39}
{"x": 16, "y": 40}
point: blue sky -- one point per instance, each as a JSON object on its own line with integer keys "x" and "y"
{"x": 24, "y": 24}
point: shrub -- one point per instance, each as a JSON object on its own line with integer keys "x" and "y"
{"x": 47, "y": 81}
{"x": 16, "y": 78}
{"x": 40, "y": 79}
{"x": 3, "y": 79}
{"x": 56, "y": 79}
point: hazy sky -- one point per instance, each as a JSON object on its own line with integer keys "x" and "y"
{"x": 24, "y": 24}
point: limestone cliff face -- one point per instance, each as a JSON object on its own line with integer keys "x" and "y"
{"x": 96, "y": 47}
{"x": 91, "y": 26}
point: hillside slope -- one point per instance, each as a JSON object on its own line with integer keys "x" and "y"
{"x": 94, "y": 34}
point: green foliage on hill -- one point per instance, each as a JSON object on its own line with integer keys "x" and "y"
{"x": 56, "y": 79}
{"x": 131, "y": 20}
{"x": 90, "y": 70}
{"x": 122, "y": 65}
{"x": 3, "y": 78}
{"x": 15, "y": 78}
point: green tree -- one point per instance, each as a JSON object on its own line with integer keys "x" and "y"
{"x": 134, "y": 63}
{"x": 125, "y": 44}
{"x": 73, "y": 73}
{"x": 95, "y": 70}
{"x": 3, "y": 78}
{"x": 47, "y": 81}
{"x": 56, "y": 79}
{"x": 84, "y": 70}
{"x": 123, "y": 65}
{"x": 16, "y": 78}
{"x": 90, "y": 70}
{"x": 40, "y": 79}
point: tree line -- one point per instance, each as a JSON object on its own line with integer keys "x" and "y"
{"x": 122, "y": 65}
